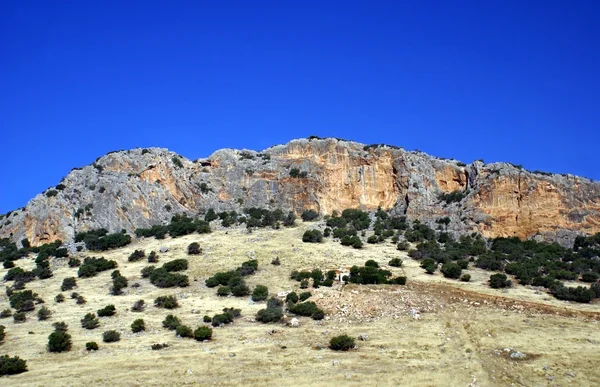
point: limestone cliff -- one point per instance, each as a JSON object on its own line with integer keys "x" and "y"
{"x": 141, "y": 187}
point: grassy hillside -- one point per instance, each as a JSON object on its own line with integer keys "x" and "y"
{"x": 433, "y": 331}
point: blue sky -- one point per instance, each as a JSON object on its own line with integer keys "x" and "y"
{"x": 515, "y": 81}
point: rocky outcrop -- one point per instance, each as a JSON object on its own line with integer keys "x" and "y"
{"x": 141, "y": 187}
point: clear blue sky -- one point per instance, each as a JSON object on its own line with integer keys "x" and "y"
{"x": 515, "y": 81}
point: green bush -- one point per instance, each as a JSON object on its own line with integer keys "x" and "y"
{"x": 44, "y": 313}
{"x": 269, "y": 315}
{"x": 136, "y": 256}
{"x": 91, "y": 346}
{"x": 291, "y": 297}
{"x": 203, "y": 333}
{"x": 184, "y": 331}
{"x": 260, "y": 293}
{"x": 176, "y": 265}
{"x": 22, "y": 301}
{"x": 499, "y": 281}
{"x": 74, "y": 262}
{"x": 371, "y": 263}
{"x": 138, "y": 325}
{"x": 223, "y": 291}
{"x": 451, "y": 270}
{"x": 100, "y": 240}
{"x": 177, "y": 162}
{"x": 59, "y": 341}
{"x": 395, "y": 262}
{"x": 119, "y": 282}
{"x": 167, "y": 302}
{"x": 307, "y": 308}
{"x": 312, "y": 236}
{"x": 590, "y": 276}
{"x": 111, "y": 336}
{"x": 60, "y": 326}
{"x": 90, "y": 321}
{"x": 153, "y": 257}
{"x": 59, "y": 298}
{"x": 304, "y": 296}
{"x": 341, "y": 343}
{"x": 2, "y": 333}
{"x": 465, "y": 278}
{"x": 107, "y": 311}
{"x": 309, "y": 215}
{"x": 164, "y": 279}
{"x": 171, "y": 322}
{"x": 6, "y": 313}
{"x": 19, "y": 317}
{"x": 138, "y": 306}
{"x": 157, "y": 347}
{"x": 12, "y": 365}
{"x": 194, "y": 248}
{"x": 240, "y": 290}
{"x": 92, "y": 266}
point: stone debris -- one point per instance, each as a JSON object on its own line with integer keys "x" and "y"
{"x": 163, "y": 249}
{"x": 294, "y": 323}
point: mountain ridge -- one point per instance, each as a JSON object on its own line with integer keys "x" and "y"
{"x": 144, "y": 186}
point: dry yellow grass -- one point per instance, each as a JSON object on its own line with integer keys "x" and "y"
{"x": 459, "y": 339}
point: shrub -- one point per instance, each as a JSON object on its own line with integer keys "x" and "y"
{"x": 465, "y": 278}
{"x": 307, "y": 308}
{"x": 138, "y": 325}
{"x": 194, "y": 248}
{"x": 223, "y": 291}
{"x": 177, "y": 161}
{"x": 44, "y": 313}
{"x": 207, "y": 319}
{"x": 590, "y": 276}
{"x": 22, "y": 301}
{"x": 59, "y": 341}
{"x": 2, "y": 333}
{"x": 305, "y": 296}
{"x": 240, "y": 290}
{"x": 260, "y": 293}
{"x": 304, "y": 284}
{"x": 163, "y": 279}
{"x": 203, "y": 333}
{"x": 176, "y": 265}
{"x": 137, "y": 255}
{"x": 119, "y": 282}
{"x": 451, "y": 270}
{"x": 309, "y": 215}
{"x": 12, "y": 365}
{"x": 184, "y": 331}
{"x": 92, "y": 266}
{"x": 276, "y": 261}
{"x": 171, "y": 322}
{"x": 107, "y": 311}
{"x": 395, "y": 262}
{"x": 291, "y": 297}
{"x": 157, "y": 347}
{"x": 100, "y": 240}
{"x": 19, "y": 317}
{"x": 59, "y": 298}
{"x": 91, "y": 346}
{"x": 147, "y": 271}
{"x": 74, "y": 262}
{"x": 312, "y": 236}
{"x": 152, "y": 257}
{"x": 167, "y": 302}
{"x": 111, "y": 336}
{"x": 269, "y": 315}
{"x": 341, "y": 343}
{"x": 371, "y": 263}
{"x": 138, "y": 306}
{"x": 68, "y": 284}
{"x": 499, "y": 281}
{"x": 6, "y": 313}
{"x": 60, "y": 326}
{"x": 90, "y": 321}
{"x": 80, "y": 300}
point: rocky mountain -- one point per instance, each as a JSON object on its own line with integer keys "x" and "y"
{"x": 142, "y": 187}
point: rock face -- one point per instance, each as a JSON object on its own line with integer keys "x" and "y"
{"x": 141, "y": 187}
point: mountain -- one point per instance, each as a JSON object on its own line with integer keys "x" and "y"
{"x": 142, "y": 187}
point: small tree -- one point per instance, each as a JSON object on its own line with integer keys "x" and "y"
{"x": 138, "y": 325}
{"x": 111, "y": 336}
{"x": 12, "y": 365}
{"x": 342, "y": 343}
{"x": 260, "y": 293}
{"x": 59, "y": 341}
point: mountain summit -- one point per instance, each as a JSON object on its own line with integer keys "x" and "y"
{"x": 142, "y": 187}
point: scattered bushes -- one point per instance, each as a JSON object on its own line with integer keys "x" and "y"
{"x": 341, "y": 343}
{"x": 167, "y": 302}
{"x": 107, "y": 311}
{"x": 91, "y": 346}
{"x": 138, "y": 326}
{"x": 12, "y": 365}
{"x": 180, "y": 225}
{"x": 90, "y": 321}
{"x": 111, "y": 336}
{"x": 101, "y": 240}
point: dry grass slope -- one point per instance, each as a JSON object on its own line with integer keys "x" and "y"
{"x": 459, "y": 339}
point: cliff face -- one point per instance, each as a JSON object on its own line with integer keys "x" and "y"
{"x": 141, "y": 187}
